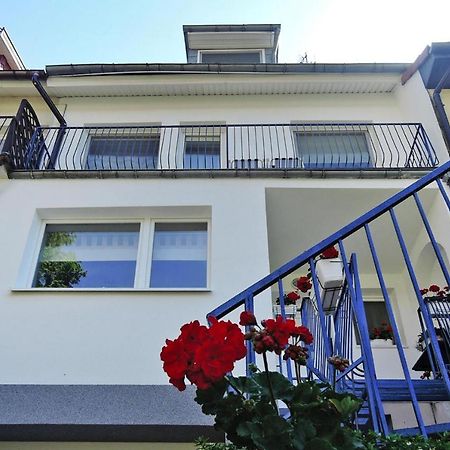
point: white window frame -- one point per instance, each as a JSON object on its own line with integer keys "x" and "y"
{"x": 368, "y": 298}
{"x": 261, "y": 52}
{"x": 127, "y": 131}
{"x": 184, "y": 133}
{"x": 328, "y": 128}
{"x": 143, "y": 256}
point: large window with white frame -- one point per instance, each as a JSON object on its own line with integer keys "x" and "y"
{"x": 332, "y": 148}
{"x": 141, "y": 254}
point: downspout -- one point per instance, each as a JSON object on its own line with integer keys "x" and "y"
{"x": 59, "y": 117}
{"x": 440, "y": 109}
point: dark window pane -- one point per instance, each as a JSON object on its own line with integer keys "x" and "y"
{"x": 179, "y": 258}
{"x": 330, "y": 150}
{"x": 88, "y": 256}
{"x": 202, "y": 153}
{"x": 376, "y": 315}
{"x": 123, "y": 152}
{"x": 231, "y": 57}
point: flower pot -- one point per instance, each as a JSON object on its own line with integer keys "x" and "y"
{"x": 331, "y": 277}
{"x": 290, "y": 311}
{"x": 374, "y": 343}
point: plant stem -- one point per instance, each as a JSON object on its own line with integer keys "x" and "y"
{"x": 266, "y": 368}
{"x": 234, "y": 387}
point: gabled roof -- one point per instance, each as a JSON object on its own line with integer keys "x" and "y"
{"x": 8, "y": 50}
{"x": 432, "y": 64}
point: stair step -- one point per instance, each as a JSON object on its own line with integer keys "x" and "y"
{"x": 431, "y": 429}
{"x": 397, "y": 390}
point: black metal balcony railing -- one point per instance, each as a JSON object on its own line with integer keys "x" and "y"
{"x": 324, "y": 146}
{"x": 5, "y": 125}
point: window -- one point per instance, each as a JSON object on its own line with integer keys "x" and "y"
{"x": 376, "y": 316}
{"x": 88, "y": 255}
{"x": 139, "y": 254}
{"x": 202, "y": 152}
{"x": 231, "y": 57}
{"x": 329, "y": 150}
{"x": 179, "y": 255}
{"x": 123, "y": 152}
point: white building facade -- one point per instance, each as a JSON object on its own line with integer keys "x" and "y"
{"x": 171, "y": 188}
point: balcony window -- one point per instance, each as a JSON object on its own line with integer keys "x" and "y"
{"x": 202, "y": 152}
{"x": 127, "y": 152}
{"x": 333, "y": 150}
{"x": 179, "y": 256}
{"x": 88, "y": 256}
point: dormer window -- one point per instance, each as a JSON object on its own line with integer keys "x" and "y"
{"x": 231, "y": 44}
{"x": 231, "y": 56}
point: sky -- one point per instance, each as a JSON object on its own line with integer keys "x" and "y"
{"x": 47, "y": 32}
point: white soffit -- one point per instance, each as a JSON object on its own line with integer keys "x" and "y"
{"x": 218, "y": 84}
{"x": 230, "y": 40}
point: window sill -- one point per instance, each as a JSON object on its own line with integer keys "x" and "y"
{"x": 109, "y": 290}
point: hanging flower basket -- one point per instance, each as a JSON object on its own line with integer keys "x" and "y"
{"x": 330, "y": 274}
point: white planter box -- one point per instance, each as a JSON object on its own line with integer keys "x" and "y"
{"x": 381, "y": 343}
{"x": 290, "y": 310}
{"x": 331, "y": 277}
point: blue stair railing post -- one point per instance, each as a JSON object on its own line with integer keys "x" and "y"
{"x": 369, "y": 363}
{"x": 283, "y": 315}
{"x": 428, "y": 321}
{"x": 251, "y": 357}
{"x": 322, "y": 320}
{"x": 395, "y": 331}
{"x": 443, "y": 193}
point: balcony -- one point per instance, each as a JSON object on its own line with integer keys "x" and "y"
{"x": 220, "y": 149}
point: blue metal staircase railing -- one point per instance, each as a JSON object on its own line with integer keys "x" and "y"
{"x": 334, "y": 333}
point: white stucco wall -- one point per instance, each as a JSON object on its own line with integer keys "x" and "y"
{"x": 115, "y": 337}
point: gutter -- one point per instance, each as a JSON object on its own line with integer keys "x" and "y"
{"x": 440, "y": 109}
{"x": 197, "y": 68}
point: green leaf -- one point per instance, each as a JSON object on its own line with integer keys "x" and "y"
{"x": 304, "y": 431}
{"x": 319, "y": 444}
{"x": 346, "y": 406}
{"x": 281, "y": 386}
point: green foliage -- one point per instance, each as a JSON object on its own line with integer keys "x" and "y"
{"x": 54, "y": 273}
{"x": 373, "y": 441}
{"x": 369, "y": 441}
{"x": 316, "y": 419}
{"x": 59, "y": 274}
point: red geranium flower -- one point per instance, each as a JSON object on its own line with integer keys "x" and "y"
{"x": 175, "y": 358}
{"x": 203, "y": 355}
{"x": 293, "y": 296}
{"x": 424, "y": 291}
{"x": 303, "y": 284}
{"x": 247, "y": 318}
{"x": 304, "y": 334}
{"x": 192, "y": 335}
{"x": 435, "y": 288}
{"x": 329, "y": 253}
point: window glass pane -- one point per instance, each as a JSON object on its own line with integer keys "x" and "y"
{"x": 231, "y": 57}
{"x": 333, "y": 150}
{"x": 94, "y": 255}
{"x": 376, "y": 315}
{"x": 179, "y": 258}
{"x": 123, "y": 152}
{"x": 202, "y": 152}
